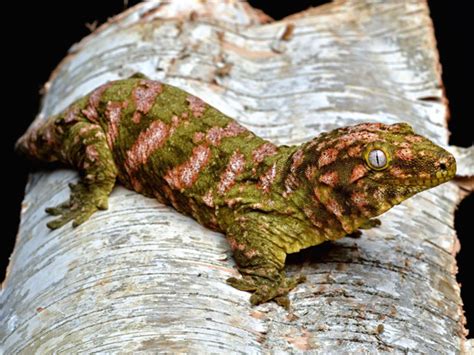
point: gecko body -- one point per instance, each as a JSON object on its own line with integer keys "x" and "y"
{"x": 268, "y": 200}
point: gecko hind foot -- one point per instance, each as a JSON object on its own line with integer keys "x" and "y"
{"x": 85, "y": 199}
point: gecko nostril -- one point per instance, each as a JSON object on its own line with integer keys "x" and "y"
{"x": 442, "y": 166}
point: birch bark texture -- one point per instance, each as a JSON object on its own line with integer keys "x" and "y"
{"x": 142, "y": 277}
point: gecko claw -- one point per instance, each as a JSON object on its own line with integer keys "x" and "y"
{"x": 265, "y": 289}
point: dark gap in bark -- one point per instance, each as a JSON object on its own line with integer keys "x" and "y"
{"x": 280, "y": 9}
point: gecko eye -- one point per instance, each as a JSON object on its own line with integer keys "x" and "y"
{"x": 377, "y": 159}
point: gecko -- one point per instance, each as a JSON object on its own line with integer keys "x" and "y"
{"x": 268, "y": 200}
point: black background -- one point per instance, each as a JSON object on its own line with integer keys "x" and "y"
{"x": 39, "y": 34}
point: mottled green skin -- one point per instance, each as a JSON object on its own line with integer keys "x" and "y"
{"x": 269, "y": 201}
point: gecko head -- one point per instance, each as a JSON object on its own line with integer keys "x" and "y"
{"x": 374, "y": 166}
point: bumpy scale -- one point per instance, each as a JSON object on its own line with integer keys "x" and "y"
{"x": 268, "y": 200}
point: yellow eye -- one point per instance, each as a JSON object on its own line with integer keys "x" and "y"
{"x": 377, "y": 159}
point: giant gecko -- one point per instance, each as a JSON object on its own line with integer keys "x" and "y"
{"x": 268, "y": 200}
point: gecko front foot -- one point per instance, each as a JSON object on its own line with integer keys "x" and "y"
{"x": 371, "y": 223}
{"x": 266, "y": 285}
{"x": 85, "y": 199}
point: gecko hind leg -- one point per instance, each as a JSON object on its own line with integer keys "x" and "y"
{"x": 89, "y": 152}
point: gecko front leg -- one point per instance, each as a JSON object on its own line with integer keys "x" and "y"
{"x": 85, "y": 147}
{"x": 261, "y": 260}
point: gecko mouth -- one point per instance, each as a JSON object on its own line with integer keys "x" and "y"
{"x": 440, "y": 177}
{"x": 444, "y": 174}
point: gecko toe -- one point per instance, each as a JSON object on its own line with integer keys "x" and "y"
{"x": 59, "y": 222}
{"x": 242, "y": 284}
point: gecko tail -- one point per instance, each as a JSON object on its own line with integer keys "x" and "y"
{"x": 23, "y": 145}
{"x": 35, "y": 144}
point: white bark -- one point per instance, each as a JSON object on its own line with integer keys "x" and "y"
{"x": 140, "y": 276}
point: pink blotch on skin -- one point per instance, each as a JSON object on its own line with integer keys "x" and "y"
{"x": 145, "y": 95}
{"x": 356, "y": 136}
{"x": 113, "y": 112}
{"x": 87, "y": 128}
{"x": 71, "y": 115}
{"x": 398, "y": 173}
{"x": 355, "y": 151}
{"x": 317, "y": 194}
{"x": 330, "y": 178}
{"x": 312, "y": 217}
{"x": 233, "y": 129}
{"x": 234, "y": 245}
{"x": 327, "y": 157}
{"x": 291, "y": 182}
{"x": 196, "y": 105}
{"x": 185, "y": 174}
{"x": 136, "y": 118}
{"x": 357, "y": 172}
{"x": 379, "y": 194}
{"x": 175, "y": 121}
{"x": 310, "y": 172}
{"x": 267, "y": 179}
{"x": 404, "y": 154}
{"x": 198, "y": 137}
{"x": 250, "y": 253}
{"x": 208, "y": 198}
{"x": 234, "y": 168}
{"x": 359, "y": 199}
{"x": 373, "y": 127}
{"x": 333, "y": 206}
{"x": 92, "y": 153}
{"x": 215, "y": 134}
{"x": 170, "y": 196}
{"x": 147, "y": 142}
{"x": 265, "y": 150}
{"x": 49, "y": 135}
{"x": 296, "y": 160}
{"x": 94, "y": 99}
{"x": 414, "y": 139}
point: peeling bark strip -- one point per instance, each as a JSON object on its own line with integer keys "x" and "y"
{"x": 148, "y": 141}
{"x": 184, "y": 175}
